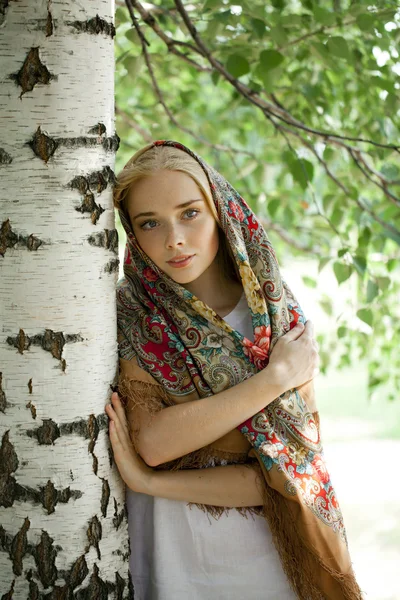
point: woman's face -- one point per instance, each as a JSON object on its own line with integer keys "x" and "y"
{"x": 168, "y": 230}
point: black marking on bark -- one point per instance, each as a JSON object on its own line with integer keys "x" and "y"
{"x": 96, "y": 181}
{"x": 97, "y": 588}
{"x": 52, "y": 341}
{"x": 46, "y": 434}
{"x": 43, "y": 145}
{"x": 99, "y": 129}
{"x": 5, "y": 158}
{"x": 8, "y": 239}
{"x": 105, "y": 239}
{"x": 33, "y": 409}
{"x": 47, "y": 495}
{"x": 95, "y": 25}
{"x": 94, "y": 534}
{"x": 33, "y": 591}
{"x": 45, "y": 558}
{"x": 3, "y": 399}
{"x": 119, "y": 587}
{"x": 18, "y": 547}
{"x": 5, "y": 539}
{"x": 123, "y": 555}
{"x": 32, "y": 72}
{"x": 119, "y": 517}
{"x": 105, "y": 497}
{"x": 49, "y": 24}
{"x": 30, "y": 387}
{"x": 78, "y": 572}
{"x": 112, "y": 266}
{"x": 8, "y": 464}
{"x": 90, "y": 206}
{"x": 10, "y": 593}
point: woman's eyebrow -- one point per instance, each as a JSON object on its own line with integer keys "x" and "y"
{"x": 152, "y": 214}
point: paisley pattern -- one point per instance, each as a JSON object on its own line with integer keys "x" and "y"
{"x": 185, "y": 346}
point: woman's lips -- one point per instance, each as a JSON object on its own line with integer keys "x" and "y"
{"x": 181, "y": 263}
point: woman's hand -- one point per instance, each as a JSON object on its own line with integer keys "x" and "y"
{"x": 294, "y": 359}
{"x": 133, "y": 470}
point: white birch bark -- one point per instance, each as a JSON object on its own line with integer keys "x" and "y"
{"x": 62, "y": 519}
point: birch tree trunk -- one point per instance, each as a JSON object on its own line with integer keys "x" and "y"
{"x": 63, "y": 530}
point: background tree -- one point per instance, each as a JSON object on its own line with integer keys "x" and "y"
{"x": 297, "y": 103}
{"x": 63, "y": 529}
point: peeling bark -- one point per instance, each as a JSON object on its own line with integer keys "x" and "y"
{"x": 105, "y": 497}
{"x": 19, "y": 546}
{"x": 119, "y": 516}
{"x": 45, "y": 146}
{"x": 5, "y": 158}
{"x": 94, "y": 26}
{"x": 105, "y": 239}
{"x": 94, "y": 534}
{"x": 3, "y": 399}
{"x": 45, "y": 559}
{"x": 9, "y": 239}
{"x": 32, "y": 72}
{"x": 112, "y": 266}
{"x": 96, "y": 181}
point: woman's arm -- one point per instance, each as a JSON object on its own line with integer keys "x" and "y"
{"x": 230, "y": 486}
{"x": 184, "y": 428}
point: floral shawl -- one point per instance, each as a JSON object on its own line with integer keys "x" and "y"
{"x": 172, "y": 334}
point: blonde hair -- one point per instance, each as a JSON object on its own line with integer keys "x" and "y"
{"x": 149, "y": 159}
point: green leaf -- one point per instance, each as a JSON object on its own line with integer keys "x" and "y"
{"x": 259, "y": 27}
{"x": 365, "y": 22}
{"x": 121, "y": 15}
{"x": 372, "y": 290}
{"x": 326, "y": 304}
{"x": 337, "y": 46}
{"x": 132, "y": 36}
{"x": 215, "y": 77}
{"x": 366, "y": 315}
{"x": 383, "y": 282}
{"x": 278, "y": 35}
{"x": 342, "y": 331}
{"x": 309, "y": 281}
{"x": 237, "y": 65}
{"x": 391, "y": 264}
{"x": 133, "y": 64}
{"x": 270, "y": 59}
{"x": 273, "y": 206}
{"x": 302, "y": 171}
{"x": 342, "y": 271}
{"x": 342, "y": 252}
{"x": 323, "y": 262}
{"x": 360, "y": 264}
{"x": 324, "y": 16}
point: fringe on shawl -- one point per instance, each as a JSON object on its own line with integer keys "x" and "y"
{"x": 152, "y": 398}
{"x": 300, "y": 562}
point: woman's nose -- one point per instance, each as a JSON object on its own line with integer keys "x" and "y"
{"x": 174, "y": 238}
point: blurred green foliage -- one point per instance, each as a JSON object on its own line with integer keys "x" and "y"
{"x": 326, "y": 68}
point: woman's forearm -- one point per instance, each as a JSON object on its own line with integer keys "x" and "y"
{"x": 188, "y": 426}
{"x": 229, "y": 486}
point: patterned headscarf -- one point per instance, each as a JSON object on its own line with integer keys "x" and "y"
{"x": 173, "y": 334}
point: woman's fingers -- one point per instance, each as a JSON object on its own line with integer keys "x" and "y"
{"x": 117, "y": 405}
{"x": 121, "y": 430}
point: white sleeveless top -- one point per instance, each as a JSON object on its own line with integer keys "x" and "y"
{"x": 178, "y": 552}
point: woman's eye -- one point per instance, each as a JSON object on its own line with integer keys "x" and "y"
{"x": 192, "y": 210}
{"x": 146, "y": 226}
{"x": 142, "y": 226}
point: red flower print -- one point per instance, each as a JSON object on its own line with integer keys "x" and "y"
{"x": 149, "y": 274}
{"x": 320, "y": 468}
{"x": 256, "y": 354}
{"x": 235, "y": 211}
{"x": 262, "y": 337}
{"x": 159, "y": 142}
{"x": 128, "y": 257}
{"x": 253, "y": 226}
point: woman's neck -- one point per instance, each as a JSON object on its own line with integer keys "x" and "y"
{"x": 218, "y": 292}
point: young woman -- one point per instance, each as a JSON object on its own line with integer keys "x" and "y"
{"x": 216, "y": 413}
